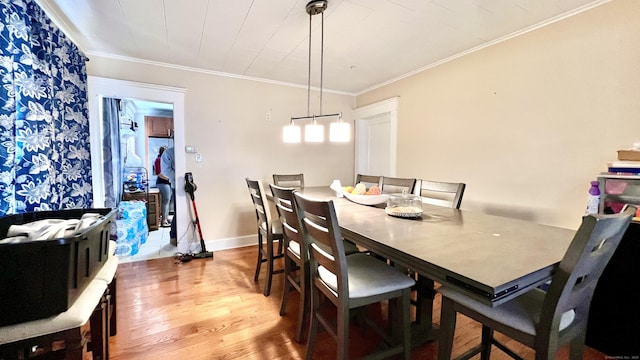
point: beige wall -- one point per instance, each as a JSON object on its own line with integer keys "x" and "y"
{"x": 225, "y": 119}
{"x": 529, "y": 122}
{"x": 526, "y": 123}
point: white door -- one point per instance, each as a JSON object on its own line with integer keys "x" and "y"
{"x": 374, "y": 145}
{"x": 376, "y": 129}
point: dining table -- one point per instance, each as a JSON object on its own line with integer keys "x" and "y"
{"x": 490, "y": 258}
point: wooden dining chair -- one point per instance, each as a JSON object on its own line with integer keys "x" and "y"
{"x": 448, "y": 194}
{"x": 296, "y": 262}
{"x": 296, "y": 265}
{"x": 368, "y": 180}
{"x": 289, "y": 180}
{"x": 348, "y": 282}
{"x": 269, "y": 233}
{"x": 544, "y": 321}
{"x": 392, "y": 185}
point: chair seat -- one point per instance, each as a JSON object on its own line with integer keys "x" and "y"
{"x": 368, "y": 277}
{"x": 108, "y": 270}
{"x": 276, "y": 227}
{"x": 294, "y": 246}
{"x": 522, "y": 313}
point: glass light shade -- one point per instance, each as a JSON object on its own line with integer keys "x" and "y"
{"x": 314, "y": 133}
{"x": 339, "y": 132}
{"x": 291, "y": 134}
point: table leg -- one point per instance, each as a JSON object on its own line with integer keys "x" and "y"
{"x": 422, "y": 329}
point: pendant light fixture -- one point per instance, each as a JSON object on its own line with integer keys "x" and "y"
{"x": 339, "y": 131}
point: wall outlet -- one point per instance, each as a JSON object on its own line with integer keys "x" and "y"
{"x": 198, "y": 157}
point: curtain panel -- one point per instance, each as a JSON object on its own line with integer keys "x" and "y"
{"x": 45, "y": 159}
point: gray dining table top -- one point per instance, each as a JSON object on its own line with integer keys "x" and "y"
{"x": 491, "y": 258}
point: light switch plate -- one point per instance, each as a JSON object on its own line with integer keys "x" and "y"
{"x": 198, "y": 157}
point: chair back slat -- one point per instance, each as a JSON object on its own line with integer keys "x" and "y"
{"x": 448, "y": 194}
{"x": 289, "y": 180}
{"x": 263, "y": 213}
{"x": 368, "y": 180}
{"x": 323, "y": 239}
{"x": 574, "y": 282}
{"x": 285, "y": 204}
{"x": 391, "y": 185}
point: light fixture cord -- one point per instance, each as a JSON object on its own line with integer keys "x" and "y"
{"x": 321, "y": 59}
{"x": 309, "y": 70}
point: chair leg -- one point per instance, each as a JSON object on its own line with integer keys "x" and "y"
{"x": 286, "y": 288}
{"x": 447, "y": 329}
{"x": 406, "y": 324}
{"x": 280, "y": 245}
{"x": 113, "y": 330}
{"x": 304, "y": 307}
{"x": 259, "y": 264}
{"x": 342, "y": 331}
{"x": 576, "y": 347}
{"x": 313, "y": 325}
{"x": 487, "y": 337}
{"x": 99, "y": 326}
{"x": 400, "y": 321}
{"x": 267, "y": 284}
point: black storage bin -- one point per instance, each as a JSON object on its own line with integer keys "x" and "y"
{"x": 42, "y": 278}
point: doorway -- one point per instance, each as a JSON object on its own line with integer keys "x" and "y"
{"x": 99, "y": 88}
{"x": 376, "y": 138}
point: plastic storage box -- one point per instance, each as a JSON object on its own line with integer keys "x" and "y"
{"x": 42, "y": 278}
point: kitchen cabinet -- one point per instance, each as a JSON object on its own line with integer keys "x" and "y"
{"x": 158, "y": 126}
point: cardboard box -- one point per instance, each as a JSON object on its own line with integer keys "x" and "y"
{"x": 632, "y": 155}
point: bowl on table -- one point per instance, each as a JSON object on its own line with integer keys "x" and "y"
{"x": 367, "y": 199}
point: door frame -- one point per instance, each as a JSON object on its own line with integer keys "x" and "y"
{"x": 99, "y": 88}
{"x": 363, "y": 115}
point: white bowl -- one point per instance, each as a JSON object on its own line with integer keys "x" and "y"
{"x": 367, "y": 199}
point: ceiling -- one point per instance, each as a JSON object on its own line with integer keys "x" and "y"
{"x": 367, "y": 43}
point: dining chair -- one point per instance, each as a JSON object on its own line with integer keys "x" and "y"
{"x": 448, "y": 194}
{"x": 368, "y": 180}
{"x": 296, "y": 263}
{"x": 392, "y": 185}
{"x": 348, "y": 282}
{"x": 296, "y": 266}
{"x": 289, "y": 180}
{"x": 269, "y": 232}
{"x": 544, "y": 321}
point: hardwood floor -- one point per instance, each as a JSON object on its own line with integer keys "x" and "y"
{"x": 212, "y": 309}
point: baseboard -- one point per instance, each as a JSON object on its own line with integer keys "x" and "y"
{"x": 231, "y": 243}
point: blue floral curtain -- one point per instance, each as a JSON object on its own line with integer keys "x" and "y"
{"x": 45, "y": 159}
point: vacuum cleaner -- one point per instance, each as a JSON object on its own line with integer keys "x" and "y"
{"x": 190, "y": 188}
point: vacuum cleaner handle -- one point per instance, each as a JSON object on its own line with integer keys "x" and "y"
{"x": 189, "y": 186}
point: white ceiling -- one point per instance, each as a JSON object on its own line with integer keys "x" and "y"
{"x": 366, "y": 42}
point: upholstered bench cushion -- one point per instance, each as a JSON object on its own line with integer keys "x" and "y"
{"x": 108, "y": 270}
{"x": 77, "y": 315}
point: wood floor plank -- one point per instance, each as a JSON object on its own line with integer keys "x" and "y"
{"x": 212, "y": 309}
